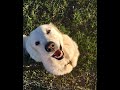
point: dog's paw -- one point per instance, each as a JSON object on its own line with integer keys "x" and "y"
{"x": 74, "y": 64}
{"x": 68, "y": 68}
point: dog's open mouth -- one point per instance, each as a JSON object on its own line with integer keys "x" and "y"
{"x": 58, "y": 54}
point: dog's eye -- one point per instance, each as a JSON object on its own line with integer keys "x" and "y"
{"x": 48, "y": 31}
{"x": 37, "y": 43}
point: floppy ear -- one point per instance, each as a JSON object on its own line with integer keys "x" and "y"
{"x": 24, "y": 45}
{"x": 24, "y": 41}
{"x": 51, "y": 24}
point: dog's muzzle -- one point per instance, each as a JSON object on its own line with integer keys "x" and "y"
{"x": 58, "y": 54}
{"x": 50, "y": 46}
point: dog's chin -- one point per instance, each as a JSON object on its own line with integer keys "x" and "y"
{"x": 58, "y": 54}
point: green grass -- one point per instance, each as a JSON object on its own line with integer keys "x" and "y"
{"x": 78, "y": 19}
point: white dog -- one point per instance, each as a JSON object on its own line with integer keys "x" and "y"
{"x": 58, "y": 52}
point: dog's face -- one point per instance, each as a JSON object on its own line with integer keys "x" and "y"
{"x": 47, "y": 41}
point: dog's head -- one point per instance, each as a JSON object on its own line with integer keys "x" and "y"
{"x": 45, "y": 42}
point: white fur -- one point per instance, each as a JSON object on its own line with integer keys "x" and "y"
{"x": 39, "y": 54}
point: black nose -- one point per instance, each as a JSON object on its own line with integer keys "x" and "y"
{"x": 50, "y": 46}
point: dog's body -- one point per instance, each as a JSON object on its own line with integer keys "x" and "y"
{"x": 58, "y": 52}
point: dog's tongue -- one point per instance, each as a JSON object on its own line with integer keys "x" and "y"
{"x": 57, "y": 53}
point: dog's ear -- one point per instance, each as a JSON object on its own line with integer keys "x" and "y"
{"x": 24, "y": 44}
{"x": 51, "y": 24}
{"x": 24, "y": 41}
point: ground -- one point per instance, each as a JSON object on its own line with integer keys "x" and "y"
{"x": 78, "y": 19}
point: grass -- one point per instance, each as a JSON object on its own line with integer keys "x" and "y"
{"x": 78, "y": 19}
